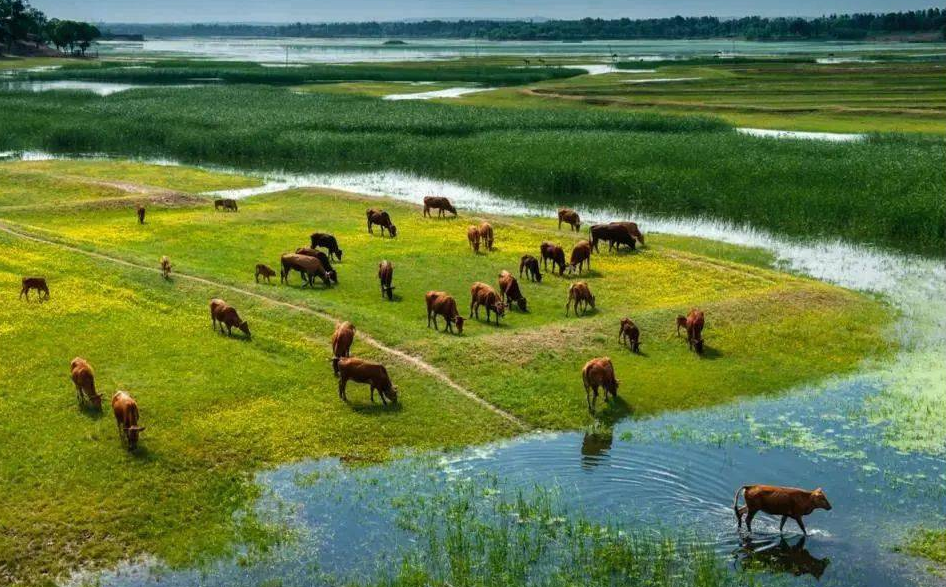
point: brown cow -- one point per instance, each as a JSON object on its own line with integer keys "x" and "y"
{"x": 308, "y": 267}
{"x": 788, "y": 502}
{"x": 327, "y": 242}
{"x": 310, "y": 252}
{"x": 598, "y": 373}
{"x": 264, "y": 271}
{"x": 126, "y": 417}
{"x": 473, "y": 235}
{"x": 483, "y": 295}
{"x": 37, "y": 283}
{"x": 630, "y": 334}
{"x": 342, "y": 338}
{"x": 442, "y": 304}
{"x": 165, "y": 267}
{"x": 531, "y": 266}
{"x": 579, "y": 295}
{"x": 615, "y": 234}
{"x": 226, "y": 315}
{"x": 228, "y": 204}
{"x": 509, "y": 288}
{"x": 570, "y": 217}
{"x": 633, "y": 229}
{"x": 486, "y": 233}
{"x": 84, "y": 379}
{"x": 555, "y": 254}
{"x": 386, "y": 276}
{"x": 581, "y": 254}
{"x": 693, "y": 322}
{"x": 140, "y": 211}
{"x": 382, "y": 219}
{"x": 361, "y": 371}
{"x": 438, "y": 203}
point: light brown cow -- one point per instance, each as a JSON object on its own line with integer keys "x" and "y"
{"x": 165, "y": 267}
{"x": 263, "y": 271}
{"x": 326, "y": 260}
{"x": 595, "y": 374}
{"x": 386, "y": 276}
{"x": 579, "y": 296}
{"x": 484, "y": 295}
{"x": 382, "y": 219}
{"x": 509, "y": 288}
{"x": 570, "y": 217}
{"x": 361, "y": 371}
{"x": 530, "y": 265}
{"x": 125, "y": 409}
{"x": 581, "y": 254}
{"x": 308, "y": 267}
{"x": 788, "y": 502}
{"x": 442, "y": 304}
{"x": 37, "y": 283}
{"x": 555, "y": 254}
{"x": 342, "y": 338}
{"x": 630, "y": 334}
{"x": 693, "y": 322}
{"x": 473, "y": 235}
{"x": 226, "y": 315}
{"x": 438, "y": 203}
{"x": 140, "y": 211}
{"x": 84, "y": 379}
{"x": 486, "y": 233}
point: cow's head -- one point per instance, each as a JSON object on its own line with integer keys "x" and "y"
{"x": 393, "y": 230}
{"x": 538, "y": 276}
{"x": 521, "y": 302}
{"x": 96, "y": 401}
{"x": 698, "y": 345}
{"x": 338, "y": 253}
{"x": 333, "y": 275}
{"x": 681, "y": 323}
{"x": 449, "y": 206}
{"x": 244, "y": 328}
{"x": 131, "y": 434}
{"x": 591, "y": 301}
{"x": 390, "y": 392}
{"x": 500, "y": 309}
{"x": 820, "y": 499}
{"x": 459, "y": 322}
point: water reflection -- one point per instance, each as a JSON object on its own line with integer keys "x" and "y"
{"x": 595, "y": 447}
{"x": 780, "y": 555}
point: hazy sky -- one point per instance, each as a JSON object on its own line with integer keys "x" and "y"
{"x": 352, "y": 10}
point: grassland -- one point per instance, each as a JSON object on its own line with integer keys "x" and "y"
{"x": 931, "y": 545}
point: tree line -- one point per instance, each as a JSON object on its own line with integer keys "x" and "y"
{"x": 20, "y": 23}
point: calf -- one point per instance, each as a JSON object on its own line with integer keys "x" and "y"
{"x": 442, "y": 304}
{"x": 264, "y": 271}
{"x": 509, "y": 288}
{"x": 555, "y": 254}
{"x": 84, "y": 379}
{"x": 581, "y": 254}
{"x": 226, "y": 315}
{"x": 140, "y": 211}
{"x": 361, "y": 371}
{"x": 595, "y": 374}
{"x": 322, "y": 257}
{"x": 438, "y": 203}
{"x": 531, "y": 266}
{"x": 125, "y": 409}
{"x": 228, "y": 204}
{"x": 382, "y": 219}
{"x": 37, "y": 283}
{"x": 693, "y": 322}
{"x": 473, "y": 235}
{"x": 327, "y": 242}
{"x": 615, "y": 234}
{"x": 579, "y": 295}
{"x": 630, "y": 334}
{"x": 486, "y": 233}
{"x": 787, "y": 502}
{"x": 308, "y": 267}
{"x": 165, "y": 267}
{"x": 569, "y": 217}
{"x": 386, "y": 276}
{"x": 483, "y": 295}
{"x": 342, "y": 338}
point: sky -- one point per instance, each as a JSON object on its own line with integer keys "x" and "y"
{"x": 363, "y": 10}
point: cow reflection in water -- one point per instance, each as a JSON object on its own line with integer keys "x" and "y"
{"x": 781, "y": 556}
{"x": 594, "y": 448}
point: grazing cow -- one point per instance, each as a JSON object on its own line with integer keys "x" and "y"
{"x": 310, "y": 252}
{"x": 630, "y": 334}
{"x": 581, "y": 254}
{"x": 531, "y": 266}
{"x": 308, "y": 267}
{"x": 486, "y": 233}
{"x": 595, "y": 374}
{"x": 483, "y": 295}
{"x": 579, "y": 295}
{"x": 440, "y": 204}
{"x": 693, "y": 322}
{"x": 125, "y": 409}
{"x": 140, "y": 211}
{"x": 361, "y": 371}
{"x": 165, "y": 267}
{"x": 442, "y": 304}
{"x": 382, "y": 219}
{"x": 473, "y": 235}
{"x": 226, "y": 315}
{"x": 37, "y": 283}
{"x": 569, "y": 217}
{"x": 342, "y": 338}
{"x": 788, "y": 502}
{"x": 264, "y": 271}
{"x": 327, "y": 242}
{"x": 633, "y": 229}
{"x": 84, "y": 379}
{"x": 386, "y": 276}
{"x": 615, "y": 234}
{"x": 228, "y": 204}
{"x": 555, "y": 254}
{"x": 509, "y": 288}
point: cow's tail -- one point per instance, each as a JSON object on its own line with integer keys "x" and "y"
{"x": 735, "y": 499}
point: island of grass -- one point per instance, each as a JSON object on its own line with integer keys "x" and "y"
{"x": 218, "y": 409}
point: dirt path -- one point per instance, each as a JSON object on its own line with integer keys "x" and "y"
{"x": 411, "y": 360}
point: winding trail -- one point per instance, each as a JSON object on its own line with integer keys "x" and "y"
{"x": 411, "y": 360}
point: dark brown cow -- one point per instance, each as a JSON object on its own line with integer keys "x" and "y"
{"x": 327, "y": 242}
{"x": 579, "y": 296}
{"x": 486, "y": 233}
{"x": 581, "y": 255}
{"x": 308, "y": 267}
{"x": 693, "y": 322}
{"x": 361, "y": 371}
{"x": 630, "y": 334}
{"x": 555, "y": 254}
{"x": 438, "y": 203}
{"x": 342, "y": 338}
{"x": 228, "y": 204}
{"x": 595, "y": 374}
{"x": 37, "y": 283}
{"x": 473, "y": 236}
{"x": 509, "y": 288}
{"x": 382, "y": 219}
{"x": 226, "y": 315}
{"x": 442, "y": 304}
{"x": 264, "y": 271}
{"x": 310, "y": 252}
{"x": 84, "y": 379}
{"x": 483, "y": 295}
{"x": 570, "y": 217}
{"x": 125, "y": 409}
{"x": 788, "y": 502}
{"x": 633, "y": 229}
{"x": 530, "y": 265}
{"x": 615, "y": 234}
{"x": 140, "y": 211}
{"x": 165, "y": 267}
{"x": 386, "y": 276}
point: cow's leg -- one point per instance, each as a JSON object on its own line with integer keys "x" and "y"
{"x": 801, "y": 525}
{"x": 229, "y": 330}
{"x": 372, "y": 393}
{"x": 781, "y": 525}
{"x": 567, "y": 304}
{"x": 588, "y": 397}
{"x": 342, "y": 381}
{"x": 749, "y": 515}
{"x": 560, "y": 224}
{"x": 739, "y": 514}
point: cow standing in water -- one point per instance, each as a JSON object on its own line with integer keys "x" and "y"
{"x": 788, "y": 502}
